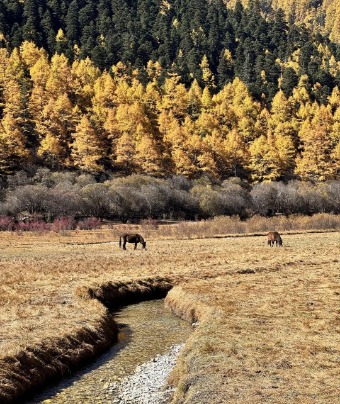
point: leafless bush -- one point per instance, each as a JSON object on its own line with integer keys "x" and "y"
{"x": 264, "y": 198}
{"x": 131, "y": 204}
{"x": 139, "y": 197}
{"x": 63, "y": 223}
{"x": 6, "y": 223}
{"x": 89, "y": 223}
{"x": 96, "y": 201}
{"x": 34, "y": 226}
{"x": 29, "y": 198}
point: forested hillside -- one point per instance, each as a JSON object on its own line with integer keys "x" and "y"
{"x": 255, "y": 44}
{"x": 320, "y": 15}
{"x": 173, "y": 87}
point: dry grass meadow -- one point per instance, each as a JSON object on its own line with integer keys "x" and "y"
{"x": 268, "y": 317}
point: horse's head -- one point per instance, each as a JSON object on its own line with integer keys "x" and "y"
{"x": 143, "y": 244}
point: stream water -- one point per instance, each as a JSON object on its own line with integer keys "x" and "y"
{"x": 146, "y": 330}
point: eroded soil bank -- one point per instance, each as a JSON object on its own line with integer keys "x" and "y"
{"x": 32, "y": 368}
{"x": 147, "y": 331}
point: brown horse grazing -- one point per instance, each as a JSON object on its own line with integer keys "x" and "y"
{"x": 131, "y": 238}
{"x": 274, "y": 237}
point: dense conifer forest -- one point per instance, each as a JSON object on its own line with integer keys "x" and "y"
{"x": 189, "y": 88}
{"x": 199, "y": 39}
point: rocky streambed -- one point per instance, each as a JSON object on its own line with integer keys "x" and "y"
{"x": 135, "y": 370}
{"x": 148, "y": 385}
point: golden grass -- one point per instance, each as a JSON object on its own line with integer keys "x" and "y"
{"x": 267, "y": 315}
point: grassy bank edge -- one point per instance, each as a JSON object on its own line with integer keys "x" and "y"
{"x": 188, "y": 307}
{"x": 38, "y": 365}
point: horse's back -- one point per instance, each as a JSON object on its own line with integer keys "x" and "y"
{"x": 130, "y": 237}
{"x": 274, "y": 236}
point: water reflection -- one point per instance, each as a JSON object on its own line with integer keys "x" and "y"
{"x": 145, "y": 330}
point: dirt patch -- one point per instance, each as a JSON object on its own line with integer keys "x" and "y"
{"x": 116, "y": 294}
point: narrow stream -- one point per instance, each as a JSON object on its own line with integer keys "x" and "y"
{"x": 146, "y": 330}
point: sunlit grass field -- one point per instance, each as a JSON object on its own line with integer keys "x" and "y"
{"x": 268, "y": 329}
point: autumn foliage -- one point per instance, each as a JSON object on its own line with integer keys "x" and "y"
{"x": 64, "y": 115}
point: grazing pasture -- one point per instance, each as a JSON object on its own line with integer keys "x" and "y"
{"x": 268, "y": 325}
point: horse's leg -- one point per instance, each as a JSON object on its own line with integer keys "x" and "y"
{"x": 135, "y": 246}
{"x": 124, "y": 245}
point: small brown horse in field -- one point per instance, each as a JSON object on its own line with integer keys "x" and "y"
{"x": 131, "y": 238}
{"x": 274, "y": 237}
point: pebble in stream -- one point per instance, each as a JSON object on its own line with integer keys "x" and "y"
{"x": 147, "y": 332}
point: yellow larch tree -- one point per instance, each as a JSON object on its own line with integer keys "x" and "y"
{"x": 183, "y": 164}
{"x": 303, "y": 103}
{"x": 245, "y": 109}
{"x": 154, "y": 70}
{"x": 271, "y": 158}
{"x": 194, "y": 103}
{"x": 262, "y": 124}
{"x": 222, "y": 109}
{"x": 335, "y": 131}
{"x": 84, "y": 75}
{"x": 15, "y": 67}
{"x": 135, "y": 92}
{"x": 148, "y": 156}
{"x": 121, "y": 94}
{"x": 13, "y": 145}
{"x": 125, "y": 153}
{"x": 258, "y": 162}
{"x": 180, "y": 153}
{"x": 206, "y": 163}
{"x": 315, "y": 161}
{"x": 54, "y": 127}
{"x": 335, "y": 156}
{"x": 14, "y": 100}
{"x": 87, "y": 149}
{"x": 334, "y": 98}
{"x": 167, "y": 123}
{"x": 30, "y": 53}
{"x": 207, "y": 76}
{"x": 282, "y": 120}
{"x": 39, "y": 73}
{"x": 206, "y": 99}
{"x": 126, "y": 119}
{"x": 235, "y": 154}
{"x": 207, "y": 123}
{"x": 60, "y": 78}
{"x": 103, "y": 98}
{"x": 15, "y": 87}
{"x": 152, "y": 98}
{"x": 174, "y": 98}
{"x": 215, "y": 141}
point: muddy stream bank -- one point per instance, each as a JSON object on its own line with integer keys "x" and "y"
{"x": 147, "y": 330}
